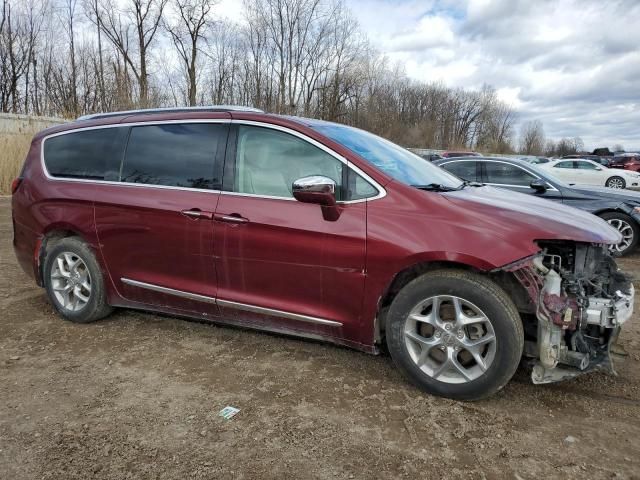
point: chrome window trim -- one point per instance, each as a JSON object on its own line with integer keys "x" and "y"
{"x": 126, "y": 124}
{"x": 381, "y": 191}
{"x": 230, "y": 304}
{"x": 551, "y": 187}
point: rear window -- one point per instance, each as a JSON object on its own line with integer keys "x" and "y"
{"x": 179, "y": 155}
{"x": 89, "y": 154}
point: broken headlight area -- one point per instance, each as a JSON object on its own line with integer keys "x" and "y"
{"x": 578, "y": 302}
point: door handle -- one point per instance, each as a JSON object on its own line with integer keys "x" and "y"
{"x": 232, "y": 218}
{"x": 197, "y": 213}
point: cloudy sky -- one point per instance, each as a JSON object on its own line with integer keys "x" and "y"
{"x": 574, "y": 64}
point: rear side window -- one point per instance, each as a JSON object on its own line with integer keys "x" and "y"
{"x": 463, "y": 170}
{"x": 89, "y": 154}
{"x": 178, "y": 155}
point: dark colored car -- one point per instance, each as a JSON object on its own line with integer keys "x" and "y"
{"x": 320, "y": 230}
{"x": 627, "y": 162}
{"x": 620, "y": 208}
{"x": 452, "y": 154}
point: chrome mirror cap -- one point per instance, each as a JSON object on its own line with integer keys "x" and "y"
{"x": 316, "y": 189}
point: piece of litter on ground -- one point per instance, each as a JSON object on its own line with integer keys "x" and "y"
{"x": 14, "y": 357}
{"x": 570, "y": 439}
{"x": 228, "y": 412}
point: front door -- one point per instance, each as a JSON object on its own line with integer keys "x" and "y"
{"x": 280, "y": 263}
{"x": 156, "y": 227}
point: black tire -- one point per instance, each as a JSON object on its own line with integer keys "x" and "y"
{"x": 613, "y": 218}
{"x": 613, "y": 179}
{"x": 96, "y": 307}
{"x": 488, "y": 297}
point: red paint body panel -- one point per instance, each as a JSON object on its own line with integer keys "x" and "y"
{"x": 286, "y": 257}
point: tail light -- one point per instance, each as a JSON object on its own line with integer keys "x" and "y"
{"x": 15, "y": 184}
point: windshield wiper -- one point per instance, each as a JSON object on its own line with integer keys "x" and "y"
{"x": 436, "y": 187}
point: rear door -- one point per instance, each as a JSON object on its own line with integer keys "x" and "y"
{"x": 280, "y": 263}
{"x": 155, "y": 224}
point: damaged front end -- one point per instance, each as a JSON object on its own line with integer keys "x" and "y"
{"x": 578, "y": 300}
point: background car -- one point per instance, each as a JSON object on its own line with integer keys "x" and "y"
{"x": 620, "y": 208}
{"x": 596, "y": 158}
{"x": 627, "y": 161}
{"x": 588, "y": 172}
{"x": 536, "y": 160}
{"x": 454, "y": 153}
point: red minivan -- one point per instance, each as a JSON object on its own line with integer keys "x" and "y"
{"x": 320, "y": 230}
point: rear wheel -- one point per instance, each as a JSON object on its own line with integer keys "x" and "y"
{"x": 455, "y": 334}
{"x": 74, "y": 282}
{"x": 616, "y": 182}
{"x": 627, "y": 227}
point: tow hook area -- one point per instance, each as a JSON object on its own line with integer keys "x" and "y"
{"x": 580, "y": 302}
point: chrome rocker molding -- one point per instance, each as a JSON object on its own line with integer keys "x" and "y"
{"x": 170, "y": 291}
{"x": 229, "y": 304}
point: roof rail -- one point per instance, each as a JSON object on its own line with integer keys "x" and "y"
{"x": 148, "y": 111}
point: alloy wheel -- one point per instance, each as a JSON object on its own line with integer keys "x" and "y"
{"x": 450, "y": 339}
{"x": 616, "y": 183}
{"x": 70, "y": 281}
{"x": 625, "y": 230}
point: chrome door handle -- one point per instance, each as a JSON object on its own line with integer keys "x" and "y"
{"x": 234, "y": 218}
{"x": 196, "y": 213}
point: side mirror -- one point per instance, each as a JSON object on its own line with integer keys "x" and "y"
{"x": 539, "y": 185}
{"x": 599, "y": 169}
{"x": 320, "y": 190}
{"x": 315, "y": 189}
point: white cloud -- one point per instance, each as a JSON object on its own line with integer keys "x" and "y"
{"x": 574, "y": 64}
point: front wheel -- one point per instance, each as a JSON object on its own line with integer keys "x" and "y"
{"x": 627, "y": 227}
{"x": 616, "y": 182}
{"x": 455, "y": 334}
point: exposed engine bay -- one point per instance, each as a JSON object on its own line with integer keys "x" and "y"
{"x": 578, "y": 302}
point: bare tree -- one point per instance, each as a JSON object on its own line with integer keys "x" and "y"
{"x": 131, "y": 31}
{"x": 186, "y": 33}
{"x": 532, "y": 138}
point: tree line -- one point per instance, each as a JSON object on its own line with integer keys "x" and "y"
{"x": 296, "y": 57}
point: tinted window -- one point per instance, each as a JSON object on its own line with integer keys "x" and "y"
{"x": 586, "y": 166}
{"x": 464, "y": 170}
{"x": 269, "y": 161}
{"x": 90, "y": 154}
{"x": 179, "y": 155}
{"x": 564, "y": 165}
{"x": 507, "y": 174}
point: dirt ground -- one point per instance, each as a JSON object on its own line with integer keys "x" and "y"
{"x": 137, "y": 396}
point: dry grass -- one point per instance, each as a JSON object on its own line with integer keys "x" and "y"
{"x": 13, "y": 151}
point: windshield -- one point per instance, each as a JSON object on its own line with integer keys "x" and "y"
{"x": 392, "y": 159}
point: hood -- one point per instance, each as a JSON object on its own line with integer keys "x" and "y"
{"x": 502, "y": 210}
{"x": 622, "y": 195}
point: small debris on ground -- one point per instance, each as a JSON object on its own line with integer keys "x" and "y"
{"x": 228, "y": 412}
{"x": 570, "y": 439}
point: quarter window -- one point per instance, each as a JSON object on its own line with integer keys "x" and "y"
{"x": 269, "y": 161}
{"x": 88, "y": 154}
{"x": 463, "y": 170}
{"x": 507, "y": 174}
{"x": 179, "y": 155}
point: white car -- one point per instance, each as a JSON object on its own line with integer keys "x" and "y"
{"x": 588, "y": 172}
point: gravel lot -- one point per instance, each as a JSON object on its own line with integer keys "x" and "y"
{"x": 137, "y": 396}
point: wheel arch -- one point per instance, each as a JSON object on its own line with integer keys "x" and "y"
{"x": 50, "y": 236}
{"x": 506, "y": 280}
